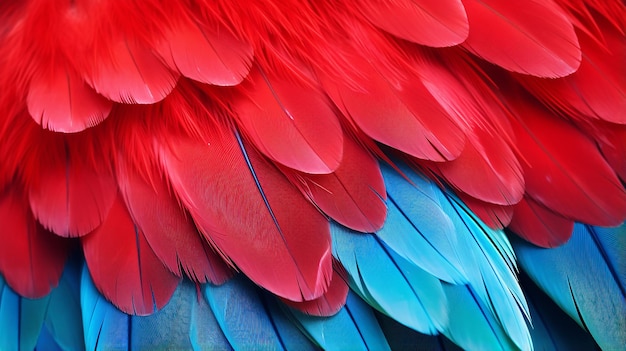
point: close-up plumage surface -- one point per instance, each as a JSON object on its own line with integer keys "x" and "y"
{"x": 288, "y": 174}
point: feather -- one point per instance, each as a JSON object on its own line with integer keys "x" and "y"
{"x": 170, "y": 233}
{"x": 413, "y": 298}
{"x": 574, "y": 181}
{"x": 292, "y": 335}
{"x": 174, "y": 327}
{"x": 552, "y": 329}
{"x": 426, "y": 22}
{"x": 279, "y": 240}
{"x": 242, "y": 316}
{"x": 418, "y": 229}
{"x": 331, "y": 302}
{"x": 73, "y": 198}
{"x": 132, "y": 74}
{"x": 580, "y": 277}
{"x": 61, "y": 101}
{"x": 353, "y": 195}
{"x": 354, "y": 327}
{"x": 529, "y": 37}
{"x": 21, "y": 319}
{"x": 290, "y": 122}
{"x": 495, "y": 216}
{"x": 540, "y": 225}
{"x": 208, "y": 55}
{"x": 474, "y": 327}
{"x": 597, "y": 89}
{"x": 63, "y": 320}
{"x": 124, "y": 267}
{"x": 399, "y": 112}
{"x": 487, "y": 261}
{"x": 31, "y": 258}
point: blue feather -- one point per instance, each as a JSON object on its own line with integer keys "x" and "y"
{"x": 417, "y": 228}
{"x": 378, "y": 278}
{"x": 581, "y": 278}
{"x": 354, "y": 327}
{"x": 21, "y": 319}
{"x": 242, "y": 315}
{"x": 63, "y": 321}
{"x": 185, "y": 323}
{"x": 551, "y": 328}
{"x": 484, "y": 256}
{"x": 473, "y": 326}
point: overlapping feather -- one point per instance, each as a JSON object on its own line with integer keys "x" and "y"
{"x": 194, "y": 139}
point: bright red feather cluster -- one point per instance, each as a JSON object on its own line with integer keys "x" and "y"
{"x": 201, "y": 137}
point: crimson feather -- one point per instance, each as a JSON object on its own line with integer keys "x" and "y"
{"x": 168, "y": 230}
{"x": 540, "y": 225}
{"x": 124, "y": 267}
{"x": 333, "y": 299}
{"x": 279, "y": 240}
{"x": 290, "y": 123}
{"x": 31, "y": 258}
{"x": 428, "y": 22}
{"x": 61, "y": 101}
{"x": 354, "y": 195}
{"x": 71, "y": 198}
{"x": 530, "y": 37}
{"x": 212, "y": 56}
{"x": 399, "y": 112}
{"x": 567, "y": 174}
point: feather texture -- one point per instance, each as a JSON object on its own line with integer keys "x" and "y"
{"x": 31, "y": 259}
{"x": 533, "y": 37}
{"x": 144, "y": 285}
{"x": 290, "y": 124}
{"x": 426, "y": 22}
{"x": 210, "y": 179}
{"x": 581, "y": 278}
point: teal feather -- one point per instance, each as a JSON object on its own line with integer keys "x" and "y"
{"x": 473, "y": 326}
{"x": 580, "y": 277}
{"x": 551, "y": 328}
{"x": 354, "y": 327}
{"x": 63, "y": 321}
{"x": 21, "y": 319}
{"x": 377, "y": 277}
{"x": 483, "y": 255}
{"x": 417, "y": 228}
{"x": 240, "y": 312}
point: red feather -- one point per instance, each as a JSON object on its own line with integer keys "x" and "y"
{"x": 278, "y": 239}
{"x": 597, "y": 89}
{"x": 399, "y": 112}
{"x": 124, "y": 267}
{"x": 170, "y": 233}
{"x": 132, "y": 74}
{"x": 70, "y": 198}
{"x": 530, "y": 37}
{"x": 212, "y": 56}
{"x": 61, "y": 101}
{"x": 354, "y": 195}
{"x": 495, "y": 216}
{"x": 567, "y": 174}
{"x": 31, "y": 258}
{"x": 333, "y": 299}
{"x": 435, "y": 23}
{"x": 539, "y": 225}
{"x": 290, "y": 123}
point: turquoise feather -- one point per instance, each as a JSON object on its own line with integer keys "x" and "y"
{"x": 580, "y": 277}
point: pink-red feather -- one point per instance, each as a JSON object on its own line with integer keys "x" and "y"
{"x": 123, "y": 265}
{"x": 278, "y": 239}
{"x": 31, "y": 258}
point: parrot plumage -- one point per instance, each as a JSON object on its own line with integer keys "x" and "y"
{"x": 288, "y": 174}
